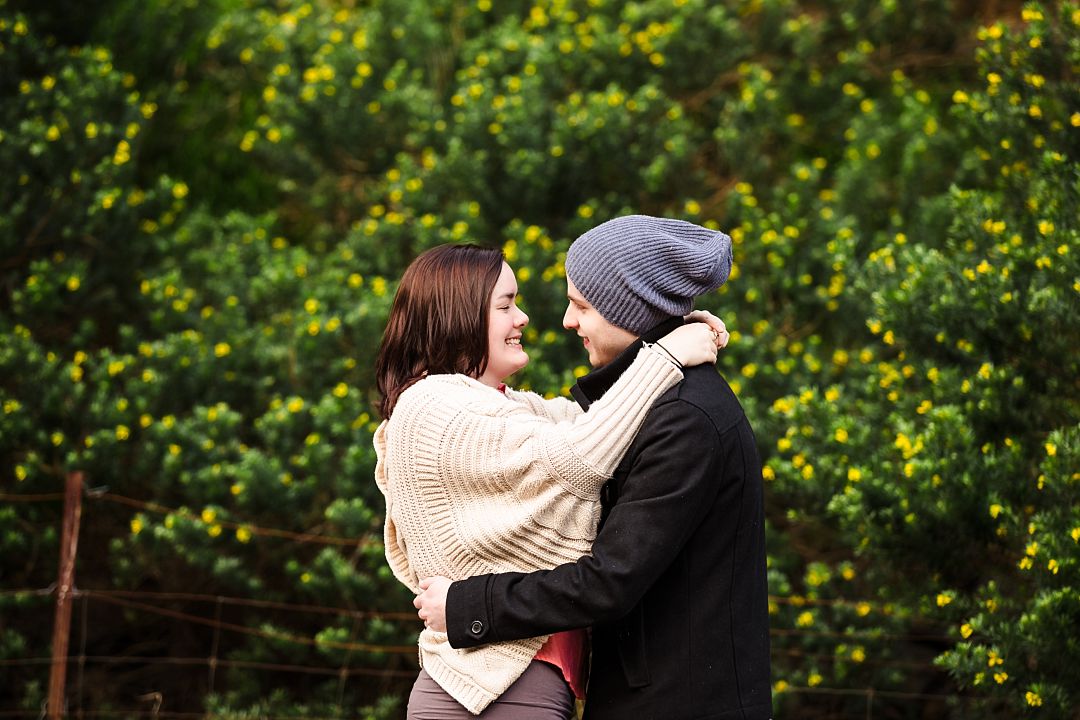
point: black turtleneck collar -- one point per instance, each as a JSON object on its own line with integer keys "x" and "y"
{"x": 592, "y": 387}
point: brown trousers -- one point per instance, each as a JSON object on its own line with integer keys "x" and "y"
{"x": 540, "y": 693}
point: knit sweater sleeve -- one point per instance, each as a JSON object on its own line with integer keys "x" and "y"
{"x": 476, "y": 482}
{"x": 556, "y": 409}
{"x": 481, "y": 439}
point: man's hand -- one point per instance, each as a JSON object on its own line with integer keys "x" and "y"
{"x": 431, "y": 602}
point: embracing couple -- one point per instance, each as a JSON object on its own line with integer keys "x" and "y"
{"x": 609, "y": 547}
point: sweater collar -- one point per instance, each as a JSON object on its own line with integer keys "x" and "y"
{"x": 591, "y": 387}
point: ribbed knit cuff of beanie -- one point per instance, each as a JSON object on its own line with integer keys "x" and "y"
{"x": 638, "y": 270}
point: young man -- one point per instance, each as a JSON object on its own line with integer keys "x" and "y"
{"x": 675, "y": 589}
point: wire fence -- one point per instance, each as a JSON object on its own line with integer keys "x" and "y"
{"x": 155, "y": 604}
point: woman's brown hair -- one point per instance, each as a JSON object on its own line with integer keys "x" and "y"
{"x": 439, "y": 319}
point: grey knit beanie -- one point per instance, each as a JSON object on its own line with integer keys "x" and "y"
{"x": 638, "y": 270}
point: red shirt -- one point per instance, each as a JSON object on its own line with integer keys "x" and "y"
{"x": 566, "y": 651}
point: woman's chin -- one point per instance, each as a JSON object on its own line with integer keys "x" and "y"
{"x": 521, "y": 362}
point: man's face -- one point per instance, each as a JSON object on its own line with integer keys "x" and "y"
{"x": 603, "y": 341}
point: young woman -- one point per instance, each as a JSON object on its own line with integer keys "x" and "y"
{"x": 480, "y": 478}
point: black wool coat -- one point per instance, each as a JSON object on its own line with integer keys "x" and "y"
{"x": 675, "y": 589}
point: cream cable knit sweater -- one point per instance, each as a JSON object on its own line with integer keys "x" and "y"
{"x": 481, "y": 482}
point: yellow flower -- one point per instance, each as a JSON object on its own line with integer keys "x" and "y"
{"x": 1001, "y": 677}
{"x": 943, "y": 599}
{"x": 243, "y": 534}
{"x": 123, "y": 153}
{"x": 805, "y": 619}
{"x": 1051, "y": 449}
{"x": 222, "y": 349}
{"x": 1033, "y": 699}
{"x": 966, "y": 630}
{"x": 136, "y": 525}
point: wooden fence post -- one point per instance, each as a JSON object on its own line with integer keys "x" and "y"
{"x": 65, "y": 585}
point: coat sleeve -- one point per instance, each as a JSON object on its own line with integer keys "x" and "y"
{"x": 672, "y": 485}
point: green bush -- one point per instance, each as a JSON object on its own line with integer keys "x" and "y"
{"x": 202, "y": 232}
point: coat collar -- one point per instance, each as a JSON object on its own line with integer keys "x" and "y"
{"x": 591, "y": 387}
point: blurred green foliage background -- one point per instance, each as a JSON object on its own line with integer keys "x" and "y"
{"x": 206, "y": 206}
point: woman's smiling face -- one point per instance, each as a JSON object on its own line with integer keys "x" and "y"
{"x": 506, "y": 321}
